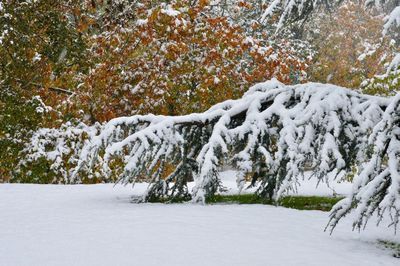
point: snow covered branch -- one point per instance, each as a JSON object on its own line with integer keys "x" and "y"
{"x": 393, "y": 20}
{"x": 292, "y": 10}
{"x": 377, "y": 187}
{"x": 272, "y": 134}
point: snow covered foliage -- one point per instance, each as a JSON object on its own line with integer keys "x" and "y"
{"x": 289, "y": 11}
{"x": 271, "y": 135}
{"x": 388, "y": 82}
{"x": 61, "y": 147}
{"x": 343, "y": 61}
{"x": 377, "y": 187}
{"x": 247, "y": 14}
{"x": 171, "y": 57}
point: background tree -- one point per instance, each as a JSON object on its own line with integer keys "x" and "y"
{"x": 387, "y": 83}
{"x": 38, "y": 46}
{"x": 177, "y": 58}
{"x": 351, "y": 47}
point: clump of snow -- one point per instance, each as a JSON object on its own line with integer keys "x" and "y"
{"x": 37, "y": 57}
{"x": 170, "y": 11}
{"x": 141, "y": 22}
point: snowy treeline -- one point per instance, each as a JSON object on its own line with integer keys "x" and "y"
{"x": 271, "y": 135}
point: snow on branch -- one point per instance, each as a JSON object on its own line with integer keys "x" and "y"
{"x": 292, "y": 10}
{"x": 393, "y": 20}
{"x": 271, "y": 135}
{"x": 377, "y": 187}
{"x": 394, "y": 66}
{"x": 297, "y": 10}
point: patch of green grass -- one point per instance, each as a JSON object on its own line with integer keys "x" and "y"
{"x": 180, "y": 199}
{"x": 238, "y": 199}
{"x": 294, "y": 202}
{"x": 309, "y": 202}
{"x": 395, "y": 247}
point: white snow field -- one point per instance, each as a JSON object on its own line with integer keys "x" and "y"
{"x": 98, "y": 225}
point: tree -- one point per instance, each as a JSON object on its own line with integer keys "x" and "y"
{"x": 376, "y": 187}
{"x": 176, "y": 58}
{"x": 384, "y": 84}
{"x": 273, "y": 133}
{"x": 247, "y": 14}
{"x": 392, "y": 20}
{"x": 37, "y": 47}
{"x": 348, "y": 61}
{"x": 387, "y": 83}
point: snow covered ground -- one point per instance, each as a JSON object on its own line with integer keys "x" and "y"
{"x": 97, "y": 225}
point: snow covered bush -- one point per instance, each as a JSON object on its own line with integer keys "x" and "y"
{"x": 19, "y": 116}
{"x": 61, "y": 147}
{"x": 273, "y": 133}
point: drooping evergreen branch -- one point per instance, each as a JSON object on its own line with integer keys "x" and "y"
{"x": 377, "y": 186}
{"x": 273, "y": 133}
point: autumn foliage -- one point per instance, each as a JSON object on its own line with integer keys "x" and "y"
{"x": 174, "y": 59}
{"x": 351, "y": 47}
